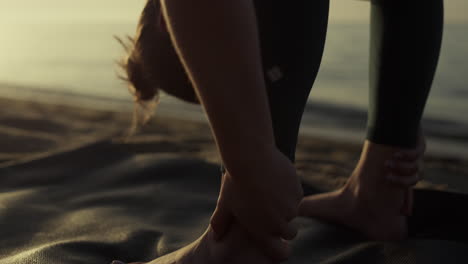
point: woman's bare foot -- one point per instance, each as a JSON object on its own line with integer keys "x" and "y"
{"x": 369, "y": 202}
{"x": 235, "y": 248}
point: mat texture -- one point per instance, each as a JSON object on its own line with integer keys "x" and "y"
{"x": 99, "y": 203}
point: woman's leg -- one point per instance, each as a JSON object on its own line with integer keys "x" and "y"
{"x": 405, "y": 45}
{"x": 406, "y": 39}
{"x": 292, "y": 37}
{"x": 298, "y": 40}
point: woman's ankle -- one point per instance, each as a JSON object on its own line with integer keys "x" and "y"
{"x": 369, "y": 179}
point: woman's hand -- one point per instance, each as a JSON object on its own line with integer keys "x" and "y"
{"x": 264, "y": 199}
{"x": 406, "y": 170}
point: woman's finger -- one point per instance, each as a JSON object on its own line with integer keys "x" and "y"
{"x": 291, "y": 212}
{"x": 405, "y": 181}
{"x": 413, "y": 154}
{"x": 410, "y": 155}
{"x": 410, "y": 202}
{"x": 289, "y": 231}
{"x": 220, "y": 221}
{"x": 407, "y": 207}
{"x": 222, "y": 217}
{"x": 403, "y": 168}
{"x": 274, "y": 247}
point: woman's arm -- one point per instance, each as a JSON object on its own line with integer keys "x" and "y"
{"x": 217, "y": 41}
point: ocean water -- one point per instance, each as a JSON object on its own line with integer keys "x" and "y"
{"x": 79, "y": 60}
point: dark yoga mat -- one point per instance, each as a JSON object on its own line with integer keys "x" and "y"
{"x": 100, "y": 203}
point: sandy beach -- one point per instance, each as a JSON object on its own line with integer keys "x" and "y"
{"x": 30, "y": 130}
{"x": 73, "y": 189}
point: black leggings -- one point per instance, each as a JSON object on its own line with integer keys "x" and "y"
{"x": 405, "y": 45}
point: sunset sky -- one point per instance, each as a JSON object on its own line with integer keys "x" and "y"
{"x": 127, "y": 10}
